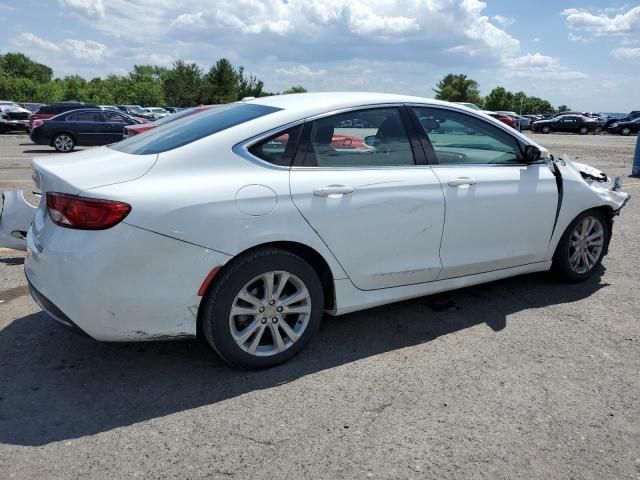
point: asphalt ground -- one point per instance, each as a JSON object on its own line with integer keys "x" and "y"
{"x": 520, "y": 378}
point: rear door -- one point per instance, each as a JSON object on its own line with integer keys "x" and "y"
{"x": 499, "y": 211}
{"x": 88, "y": 127}
{"x": 358, "y": 184}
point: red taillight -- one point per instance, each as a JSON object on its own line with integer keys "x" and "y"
{"x": 37, "y": 123}
{"x": 83, "y": 213}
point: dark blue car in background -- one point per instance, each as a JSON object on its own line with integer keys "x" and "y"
{"x": 83, "y": 127}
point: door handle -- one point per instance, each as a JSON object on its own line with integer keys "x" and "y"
{"x": 461, "y": 182}
{"x": 333, "y": 190}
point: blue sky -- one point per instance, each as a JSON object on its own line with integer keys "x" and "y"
{"x": 585, "y": 54}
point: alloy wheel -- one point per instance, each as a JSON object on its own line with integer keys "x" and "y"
{"x": 64, "y": 143}
{"x": 270, "y": 313}
{"x": 586, "y": 244}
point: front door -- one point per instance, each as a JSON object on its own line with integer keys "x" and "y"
{"x": 499, "y": 211}
{"x": 358, "y": 186}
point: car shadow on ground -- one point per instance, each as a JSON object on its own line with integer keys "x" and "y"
{"x": 57, "y": 385}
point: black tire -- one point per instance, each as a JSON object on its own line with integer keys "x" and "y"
{"x": 598, "y": 130}
{"x": 583, "y": 130}
{"x": 545, "y": 129}
{"x": 217, "y": 302}
{"x": 561, "y": 264}
{"x": 626, "y": 131}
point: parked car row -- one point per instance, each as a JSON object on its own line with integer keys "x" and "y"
{"x": 20, "y": 116}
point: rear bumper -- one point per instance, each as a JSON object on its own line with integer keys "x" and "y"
{"x": 54, "y": 312}
{"x": 15, "y": 124}
{"x": 121, "y": 284}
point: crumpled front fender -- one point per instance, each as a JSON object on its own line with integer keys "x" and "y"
{"x": 15, "y": 218}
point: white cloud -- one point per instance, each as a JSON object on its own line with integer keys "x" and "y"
{"x": 188, "y": 19}
{"x": 29, "y": 40}
{"x": 504, "y": 21}
{"x": 583, "y": 22}
{"x": 91, "y": 8}
{"x": 627, "y": 53}
{"x": 86, "y": 50}
{"x": 70, "y": 55}
{"x": 300, "y": 72}
{"x": 538, "y": 66}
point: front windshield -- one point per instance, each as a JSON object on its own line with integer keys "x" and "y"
{"x": 137, "y": 109}
{"x": 194, "y": 127}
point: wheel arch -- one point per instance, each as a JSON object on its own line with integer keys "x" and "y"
{"x": 608, "y": 213}
{"x": 307, "y": 253}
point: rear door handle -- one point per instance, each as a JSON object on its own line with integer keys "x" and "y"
{"x": 461, "y": 182}
{"x": 337, "y": 190}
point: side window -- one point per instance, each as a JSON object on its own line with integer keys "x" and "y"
{"x": 361, "y": 138}
{"x": 84, "y": 117}
{"x": 279, "y": 148}
{"x": 458, "y": 138}
{"x": 114, "y": 117}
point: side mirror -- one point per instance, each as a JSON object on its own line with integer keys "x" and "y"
{"x": 531, "y": 154}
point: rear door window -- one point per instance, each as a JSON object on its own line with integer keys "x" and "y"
{"x": 373, "y": 137}
{"x": 194, "y": 127}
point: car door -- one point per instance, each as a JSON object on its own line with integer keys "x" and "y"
{"x": 87, "y": 127}
{"x": 361, "y": 190}
{"x": 115, "y": 124}
{"x": 500, "y": 212}
{"x": 569, "y": 124}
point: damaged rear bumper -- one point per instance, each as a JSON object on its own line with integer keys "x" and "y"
{"x": 16, "y": 216}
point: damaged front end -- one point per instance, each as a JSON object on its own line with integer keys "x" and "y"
{"x": 604, "y": 186}
{"x": 16, "y": 216}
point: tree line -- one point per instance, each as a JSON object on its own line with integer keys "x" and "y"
{"x": 460, "y": 88}
{"x": 184, "y": 84}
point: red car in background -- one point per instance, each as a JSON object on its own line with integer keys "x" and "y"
{"x": 131, "y": 130}
{"x": 506, "y": 119}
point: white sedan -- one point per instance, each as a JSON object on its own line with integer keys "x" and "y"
{"x": 246, "y": 223}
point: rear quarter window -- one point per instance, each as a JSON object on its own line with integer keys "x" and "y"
{"x": 194, "y": 127}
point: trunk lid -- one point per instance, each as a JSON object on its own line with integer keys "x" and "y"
{"x": 96, "y": 167}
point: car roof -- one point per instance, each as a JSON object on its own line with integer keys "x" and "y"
{"x": 327, "y": 101}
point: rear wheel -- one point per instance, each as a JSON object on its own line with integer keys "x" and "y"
{"x": 626, "y": 131}
{"x": 582, "y": 246}
{"x": 546, "y": 129}
{"x": 263, "y": 309}
{"x": 63, "y": 142}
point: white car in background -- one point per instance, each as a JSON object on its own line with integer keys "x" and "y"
{"x": 158, "y": 112}
{"x": 247, "y": 222}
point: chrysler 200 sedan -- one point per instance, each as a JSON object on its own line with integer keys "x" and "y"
{"x": 246, "y": 224}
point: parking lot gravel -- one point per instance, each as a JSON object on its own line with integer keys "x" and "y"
{"x": 520, "y": 378}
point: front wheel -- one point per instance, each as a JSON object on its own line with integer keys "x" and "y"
{"x": 546, "y": 129}
{"x": 583, "y": 130}
{"x": 582, "y": 246}
{"x": 263, "y": 309}
{"x": 626, "y": 131}
{"x": 63, "y": 142}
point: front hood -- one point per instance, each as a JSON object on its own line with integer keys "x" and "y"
{"x": 92, "y": 168}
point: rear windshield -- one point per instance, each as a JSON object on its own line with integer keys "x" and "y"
{"x": 189, "y": 129}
